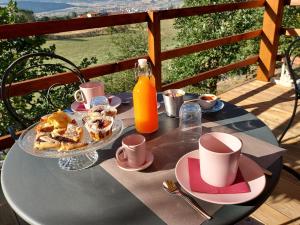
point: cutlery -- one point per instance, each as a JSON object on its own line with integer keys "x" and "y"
{"x": 191, "y": 100}
{"x": 126, "y": 101}
{"x": 266, "y": 172}
{"x": 171, "y": 187}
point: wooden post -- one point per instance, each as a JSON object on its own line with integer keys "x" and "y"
{"x": 154, "y": 48}
{"x": 270, "y": 39}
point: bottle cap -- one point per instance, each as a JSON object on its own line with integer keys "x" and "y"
{"x": 142, "y": 62}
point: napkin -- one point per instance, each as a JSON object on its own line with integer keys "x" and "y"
{"x": 80, "y": 107}
{"x": 198, "y": 185}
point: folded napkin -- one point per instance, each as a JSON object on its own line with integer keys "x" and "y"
{"x": 80, "y": 107}
{"x": 199, "y": 185}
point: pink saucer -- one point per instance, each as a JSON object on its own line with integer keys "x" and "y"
{"x": 126, "y": 167}
{"x": 250, "y": 170}
{"x": 115, "y": 101}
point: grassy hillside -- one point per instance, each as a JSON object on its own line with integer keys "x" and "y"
{"x": 102, "y": 46}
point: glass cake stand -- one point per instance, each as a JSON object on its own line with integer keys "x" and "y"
{"x": 76, "y": 159}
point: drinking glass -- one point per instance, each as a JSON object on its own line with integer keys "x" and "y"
{"x": 99, "y": 100}
{"x": 190, "y": 117}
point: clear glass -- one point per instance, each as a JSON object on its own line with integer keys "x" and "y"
{"x": 99, "y": 100}
{"x": 190, "y": 117}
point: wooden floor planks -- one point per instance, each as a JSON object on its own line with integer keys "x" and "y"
{"x": 273, "y": 104}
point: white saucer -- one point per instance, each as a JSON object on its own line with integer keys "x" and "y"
{"x": 79, "y": 106}
{"x": 217, "y": 107}
{"x": 251, "y": 171}
{"x": 126, "y": 167}
{"x": 115, "y": 101}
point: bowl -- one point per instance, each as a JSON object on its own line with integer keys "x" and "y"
{"x": 207, "y": 101}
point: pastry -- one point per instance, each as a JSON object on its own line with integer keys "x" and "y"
{"x": 104, "y": 110}
{"x": 58, "y": 131}
{"x": 99, "y": 126}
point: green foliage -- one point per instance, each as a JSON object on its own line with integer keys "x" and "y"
{"x": 32, "y": 104}
{"x": 198, "y": 29}
{"x": 291, "y": 19}
{"x": 132, "y": 43}
{"x": 10, "y": 50}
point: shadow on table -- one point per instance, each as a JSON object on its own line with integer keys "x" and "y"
{"x": 169, "y": 143}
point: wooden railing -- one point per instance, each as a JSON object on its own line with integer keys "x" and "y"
{"x": 266, "y": 59}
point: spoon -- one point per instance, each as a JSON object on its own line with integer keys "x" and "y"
{"x": 126, "y": 101}
{"x": 171, "y": 187}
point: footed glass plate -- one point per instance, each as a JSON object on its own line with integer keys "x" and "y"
{"x": 75, "y": 159}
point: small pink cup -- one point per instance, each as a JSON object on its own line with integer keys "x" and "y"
{"x": 133, "y": 149}
{"x": 88, "y": 91}
{"x": 219, "y": 158}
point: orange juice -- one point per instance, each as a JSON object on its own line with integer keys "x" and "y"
{"x": 145, "y": 105}
{"x": 152, "y": 80}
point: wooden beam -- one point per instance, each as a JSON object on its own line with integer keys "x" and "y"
{"x": 28, "y": 86}
{"x": 194, "y": 11}
{"x": 211, "y": 73}
{"x": 270, "y": 39}
{"x": 7, "y": 141}
{"x": 292, "y": 2}
{"x": 209, "y": 44}
{"x": 291, "y": 32}
{"x": 11, "y": 31}
{"x": 154, "y": 47}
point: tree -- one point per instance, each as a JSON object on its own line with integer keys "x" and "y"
{"x": 291, "y": 19}
{"x": 10, "y": 50}
{"x": 198, "y": 29}
{"x": 132, "y": 42}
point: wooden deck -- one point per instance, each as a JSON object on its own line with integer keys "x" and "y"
{"x": 273, "y": 105}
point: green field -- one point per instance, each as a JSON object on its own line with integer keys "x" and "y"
{"x": 102, "y": 47}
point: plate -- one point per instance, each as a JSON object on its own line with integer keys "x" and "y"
{"x": 251, "y": 171}
{"x": 26, "y": 141}
{"x": 126, "y": 167}
{"x": 79, "y": 106}
{"x": 217, "y": 107}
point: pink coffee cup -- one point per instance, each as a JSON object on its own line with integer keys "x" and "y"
{"x": 219, "y": 158}
{"x": 87, "y": 91}
{"x": 133, "y": 150}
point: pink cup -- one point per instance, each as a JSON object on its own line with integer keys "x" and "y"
{"x": 133, "y": 150}
{"x": 219, "y": 158}
{"x": 88, "y": 91}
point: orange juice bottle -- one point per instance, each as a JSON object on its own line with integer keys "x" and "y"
{"x": 144, "y": 100}
{"x": 152, "y": 80}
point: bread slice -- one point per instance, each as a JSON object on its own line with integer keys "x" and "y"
{"x": 58, "y": 131}
{"x": 44, "y": 127}
{"x": 44, "y": 141}
{"x": 65, "y": 146}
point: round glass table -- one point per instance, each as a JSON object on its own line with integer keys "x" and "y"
{"x": 41, "y": 193}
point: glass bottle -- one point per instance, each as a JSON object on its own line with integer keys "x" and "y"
{"x": 144, "y": 99}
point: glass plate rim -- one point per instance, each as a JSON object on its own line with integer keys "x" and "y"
{"x": 48, "y": 153}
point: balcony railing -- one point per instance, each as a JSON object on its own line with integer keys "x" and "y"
{"x": 266, "y": 59}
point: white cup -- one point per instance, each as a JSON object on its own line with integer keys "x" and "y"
{"x": 87, "y": 91}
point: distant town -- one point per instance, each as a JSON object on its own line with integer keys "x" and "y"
{"x": 44, "y": 8}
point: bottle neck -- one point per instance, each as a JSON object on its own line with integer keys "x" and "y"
{"x": 144, "y": 70}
